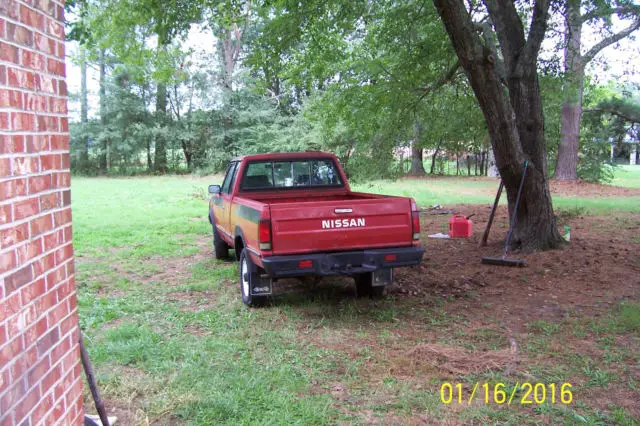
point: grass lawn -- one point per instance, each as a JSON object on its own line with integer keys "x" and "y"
{"x": 172, "y": 342}
{"x": 627, "y": 175}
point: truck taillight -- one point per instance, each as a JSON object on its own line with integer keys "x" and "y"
{"x": 415, "y": 220}
{"x": 264, "y": 234}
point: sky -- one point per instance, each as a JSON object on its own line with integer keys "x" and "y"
{"x": 619, "y": 63}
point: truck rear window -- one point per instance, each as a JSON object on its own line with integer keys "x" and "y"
{"x": 286, "y": 174}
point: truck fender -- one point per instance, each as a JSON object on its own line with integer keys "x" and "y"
{"x": 238, "y": 241}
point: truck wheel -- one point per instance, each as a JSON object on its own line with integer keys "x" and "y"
{"x": 364, "y": 287}
{"x": 247, "y": 268}
{"x": 220, "y": 248}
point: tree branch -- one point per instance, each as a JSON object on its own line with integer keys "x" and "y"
{"x": 608, "y": 41}
{"x": 536, "y": 32}
{"x": 444, "y": 79}
{"x": 606, "y": 12}
{"x": 613, "y": 112}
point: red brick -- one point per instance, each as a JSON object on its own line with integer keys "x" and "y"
{"x": 68, "y": 324}
{"x": 2, "y": 26}
{"x": 56, "y": 276}
{"x": 5, "y": 214}
{"x": 62, "y": 88}
{"x": 29, "y": 250}
{"x": 41, "y": 225}
{"x": 7, "y": 262}
{"x": 61, "y": 50}
{"x": 25, "y": 165}
{"x": 44, "y": 264}
{"x": 27, "y": 404}
{"x": 55, "y": 67}
{"x": 62, "y": 217}
{"x": 19, "y": 34}
{"x": 26, "y": 208}
{"x": 12, "y": 188}
{"x": 3, "y": 336}
{"x": 48, "y": 202}
{"x": 45, "y": 302}
{"x": 21, "y": 78}
{"x": 73, "y": 299}
{"x": 3, "y": 74}
{"x": 34, "y": 102}
{"x": 46, "y": 342}
{"x": 45, "y": 44}
{"x": 61, "y": 180}
{"x": 38, "y": 371}
{"x": 9, "y": 53}
{"x": 23, "y": 121}
{"x": 24, "y": 362}
{"x": 33, "y": 60}
{"x": 48, "y": 123}
{"x": 57, "y": 314}
{"x": 39, "y": 183}
{"x": 58, "y": 105}
{"x": 4, "y": 380}
{"x": 11, "y": 98}
{"x": 5, "y": 122}
{"x": 13, "y": 395}
{"x": 64, "y": 253}
{"x": 53, "y": 375}
{"x": 70, "y": 270}
{"x": 5, "y": 167}
{"x": 60, "y": 13}
{"x": 42, "y": 408}
{"x": 66, "y": 198}
{"x": 10, "y": 350}
{"x": 46, "y": 6}
{"x": 14, "y": 235}
{"x": 53, "y": 240}
{"x": 59, "y": 142}
{"x": 47, "y": 84}
{"x": 37, "y": 143}
{"x": 62, "y": 348}
{"x": 32, "y": 291}
{"x": 10, "y": 8}
{"x": 56, "y": 414}
{"x": 68, "y": 233}
{"x": 18, "y": 279}
{"x": 49, "y": 162}
{"x": 31, "y": 18}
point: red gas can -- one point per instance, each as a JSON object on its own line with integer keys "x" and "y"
{"x": 460, "y": 227}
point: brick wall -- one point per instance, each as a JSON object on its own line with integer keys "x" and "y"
{"x": 40, "y": 370}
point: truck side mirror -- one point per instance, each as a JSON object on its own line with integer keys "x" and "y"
{"x": 214, "y": 189}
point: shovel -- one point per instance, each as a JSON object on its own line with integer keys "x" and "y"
{"x": 503, "y": 261}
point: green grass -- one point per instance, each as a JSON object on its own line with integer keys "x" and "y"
{"x": 627, "y": 176}
{"x": 173, "y": 344}
{"x": 459, "y": 190}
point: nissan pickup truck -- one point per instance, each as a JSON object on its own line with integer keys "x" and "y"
{"x": 294, "y": 215}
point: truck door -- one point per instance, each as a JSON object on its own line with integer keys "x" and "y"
{"x": 222, "y": 202}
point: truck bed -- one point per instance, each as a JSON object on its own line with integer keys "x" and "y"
{"x": 339, "y": 222}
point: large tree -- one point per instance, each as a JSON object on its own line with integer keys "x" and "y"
{"x": 513, "y": 113}
{"x": 577, "y": 14}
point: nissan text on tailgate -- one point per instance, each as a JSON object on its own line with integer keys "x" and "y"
{"x": 294, "y": 215}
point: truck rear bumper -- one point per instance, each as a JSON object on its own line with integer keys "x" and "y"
{"x": 341, "y": 263}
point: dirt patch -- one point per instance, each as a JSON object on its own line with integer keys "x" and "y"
{"x": 596, "y": 270}
{"x": 192, "y": 301}
{"x": 590, "y": 189}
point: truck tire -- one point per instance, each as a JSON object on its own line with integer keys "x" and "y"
{"x": 364, "y": 287}
{"x": 247, "y": 268}
{"x": 220, "y": 248}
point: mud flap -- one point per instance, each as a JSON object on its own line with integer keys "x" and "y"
{"x": 260, "y": 286}
{"x": 382, "y": 277}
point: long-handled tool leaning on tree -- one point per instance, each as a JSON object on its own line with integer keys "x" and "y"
{"x": 503, "y": 261}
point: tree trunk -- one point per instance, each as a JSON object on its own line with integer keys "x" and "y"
{"x": 149, "y": 161}
{"x": 160, "y": 155}
{"x": 514, "y": 120}
{"x": 567, "y": 164}
{"x": 417, "y": 166}
{"x": 103, "y": 112}
{"x": 84, "y": 111}
{"x": 468, "y": 166}
{"x": 433, "y": 158}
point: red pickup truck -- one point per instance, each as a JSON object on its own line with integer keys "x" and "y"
{"x": 294, "y": 214}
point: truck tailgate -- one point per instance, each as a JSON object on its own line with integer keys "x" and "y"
{"x": 314, "y": 226}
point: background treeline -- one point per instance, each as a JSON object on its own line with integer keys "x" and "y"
{"x": 377, "y": 83}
